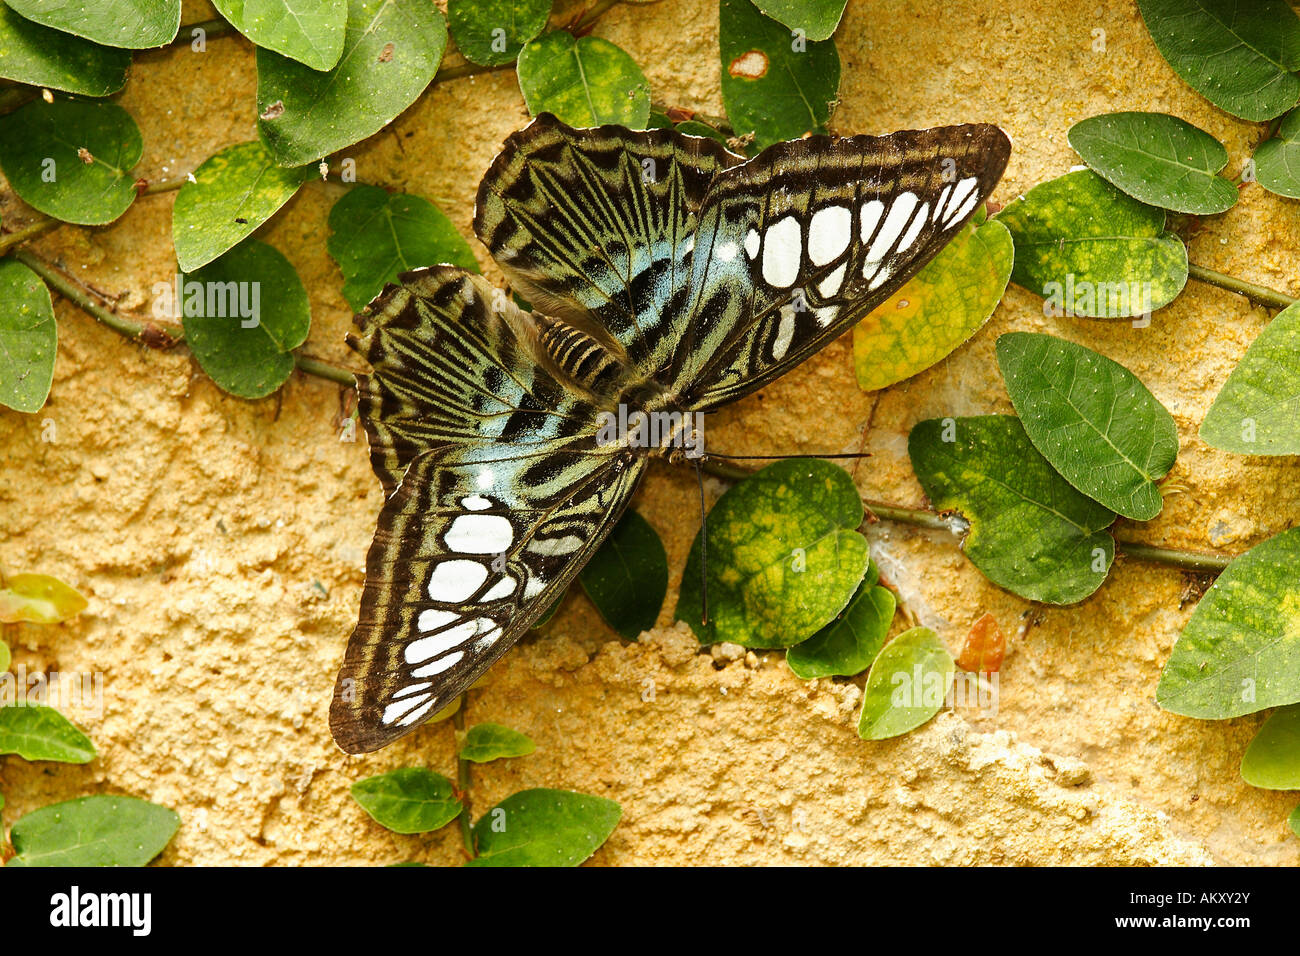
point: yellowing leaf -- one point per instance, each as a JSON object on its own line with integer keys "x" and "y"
{"x": 940, "y": 308}
{"x": 38, "y": 598}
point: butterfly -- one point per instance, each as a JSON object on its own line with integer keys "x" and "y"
{"x": 667, "y": 276}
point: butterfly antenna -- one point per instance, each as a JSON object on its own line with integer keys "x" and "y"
{"x": 846, "y": 454}
{"x": 704, "y": 548}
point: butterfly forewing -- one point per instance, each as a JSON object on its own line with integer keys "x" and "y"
{"x": 805, "y": 239}
{"x": 474, "y": 545}
{"x": 595, "y": 226}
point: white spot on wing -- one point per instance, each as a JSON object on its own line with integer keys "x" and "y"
{"x": 831, "y": 284}
{"x": 752, "y": 243}
{"x": 828, "y": 234}
{"x": 871, "y": 213}
{"x": 552, "y": 546}
{"x": 415, "y": 715}
{"x": 896, "y": 219}
{"x": 398, "y": 709}
{"x": 479, "y": 534}
{"x": 503, "y": 588}
{"x": 725, "y": 252}
{"x": 914, "y": 230}
{"x": 826, "y": 314}
{"x": 881, "y": 278}
{"x": 410, "y": 689}
{"x": 443, "y": 641}
{"x": 455, "y": 580}
{"x": 438, "y": 666}
{"x": 963, "y": 200}
{"x": 784, "y": 333}
{"x": 782, "y": 253}
{"x": 476, "y": 502}
{"x": 432, "y": 619}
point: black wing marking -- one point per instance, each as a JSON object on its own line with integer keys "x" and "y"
{"x": 455, "y": 360}
{"x": 595, "y": 226}
{"x": 475, "y": 544}
{"x": 796, "y": 245}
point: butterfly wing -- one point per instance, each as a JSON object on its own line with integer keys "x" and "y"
{"x": 802, "y": 241}
{"x": 454, "y": 360}
{"x": 498, "y": 494}
{"x": 474, "y": 545}
{"x": 595, "y": 226}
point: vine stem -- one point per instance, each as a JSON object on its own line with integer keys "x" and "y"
{"x": 463, "y": 780}
{"x": 132, "y": 329}
{"x": 1260, "y": 295}
{"x": 1201, "y": 561}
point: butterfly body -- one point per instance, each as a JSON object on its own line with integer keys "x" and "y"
{"x": 667, "y": 277}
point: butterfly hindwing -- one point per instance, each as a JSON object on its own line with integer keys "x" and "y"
{"x": 595, "y": 226}
{"x": 474, "y": 545}
{"x": 802, "y": 241}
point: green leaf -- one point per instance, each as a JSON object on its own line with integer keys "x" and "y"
{"x": 375, "y": 236}
{"x": 907, "y": 685}
{"x": 1089, "y": 416}
{"x": 38, "y": 598}
{"x": 93, "y": 831}
{"x": 236, "y": 190}
{"x": 816, "y": 18}
{"x": 1090, "y": 250}
{"x": 941, "y": 307}
{"x": 1238, "y": 653}
{"x": 849, "y": 644}
{"x": 784, "y": 556}
{"x": 492, "y": 32}
{"x": 244, "y": 314}
{"x": 584, "y": 82}
{"x": 769, "y": 88}
{"x": 1294, "y": 821}
{"x": 1158, "y": 159}
{"x": 1272, "y": 761}
{"x": 627, "y": 577}
{"x": 1030, "y": 531}
{"x": 391, "y": 52}
{"x": 28, "y": 338}
{"x": 309, "y": 31}
{"x": 71, "y": 159}
{"x": 408, "y": 800}
{"x": 37, "y": 732}
{"x": 1277, "y": 160}
{"x": 133, "y": 24}
{"x": 549, "y": 613}
{"x": 1241, "y": 55}
{"x": 487, "y": 742}
{"x": 5, "y": 657}
{"x": 31, "y": 53}
{"x": 544, "y": 828}
{"x": 1257, "y": 412}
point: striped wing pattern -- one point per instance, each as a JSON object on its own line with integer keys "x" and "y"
{"x": 594, "y": 226}
{"x": 801, "y": 242}
{"x": 652, "y": 260}
{"x": 454, "y": 360}
{"x": 476, "y": 542}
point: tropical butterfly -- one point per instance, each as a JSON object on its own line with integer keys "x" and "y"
{"x": 667, "y": 276}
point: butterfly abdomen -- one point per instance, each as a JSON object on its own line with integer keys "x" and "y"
{"x": 580, "y": 356}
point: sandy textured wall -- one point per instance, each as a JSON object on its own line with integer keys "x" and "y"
{"x": 220, "y": 542}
